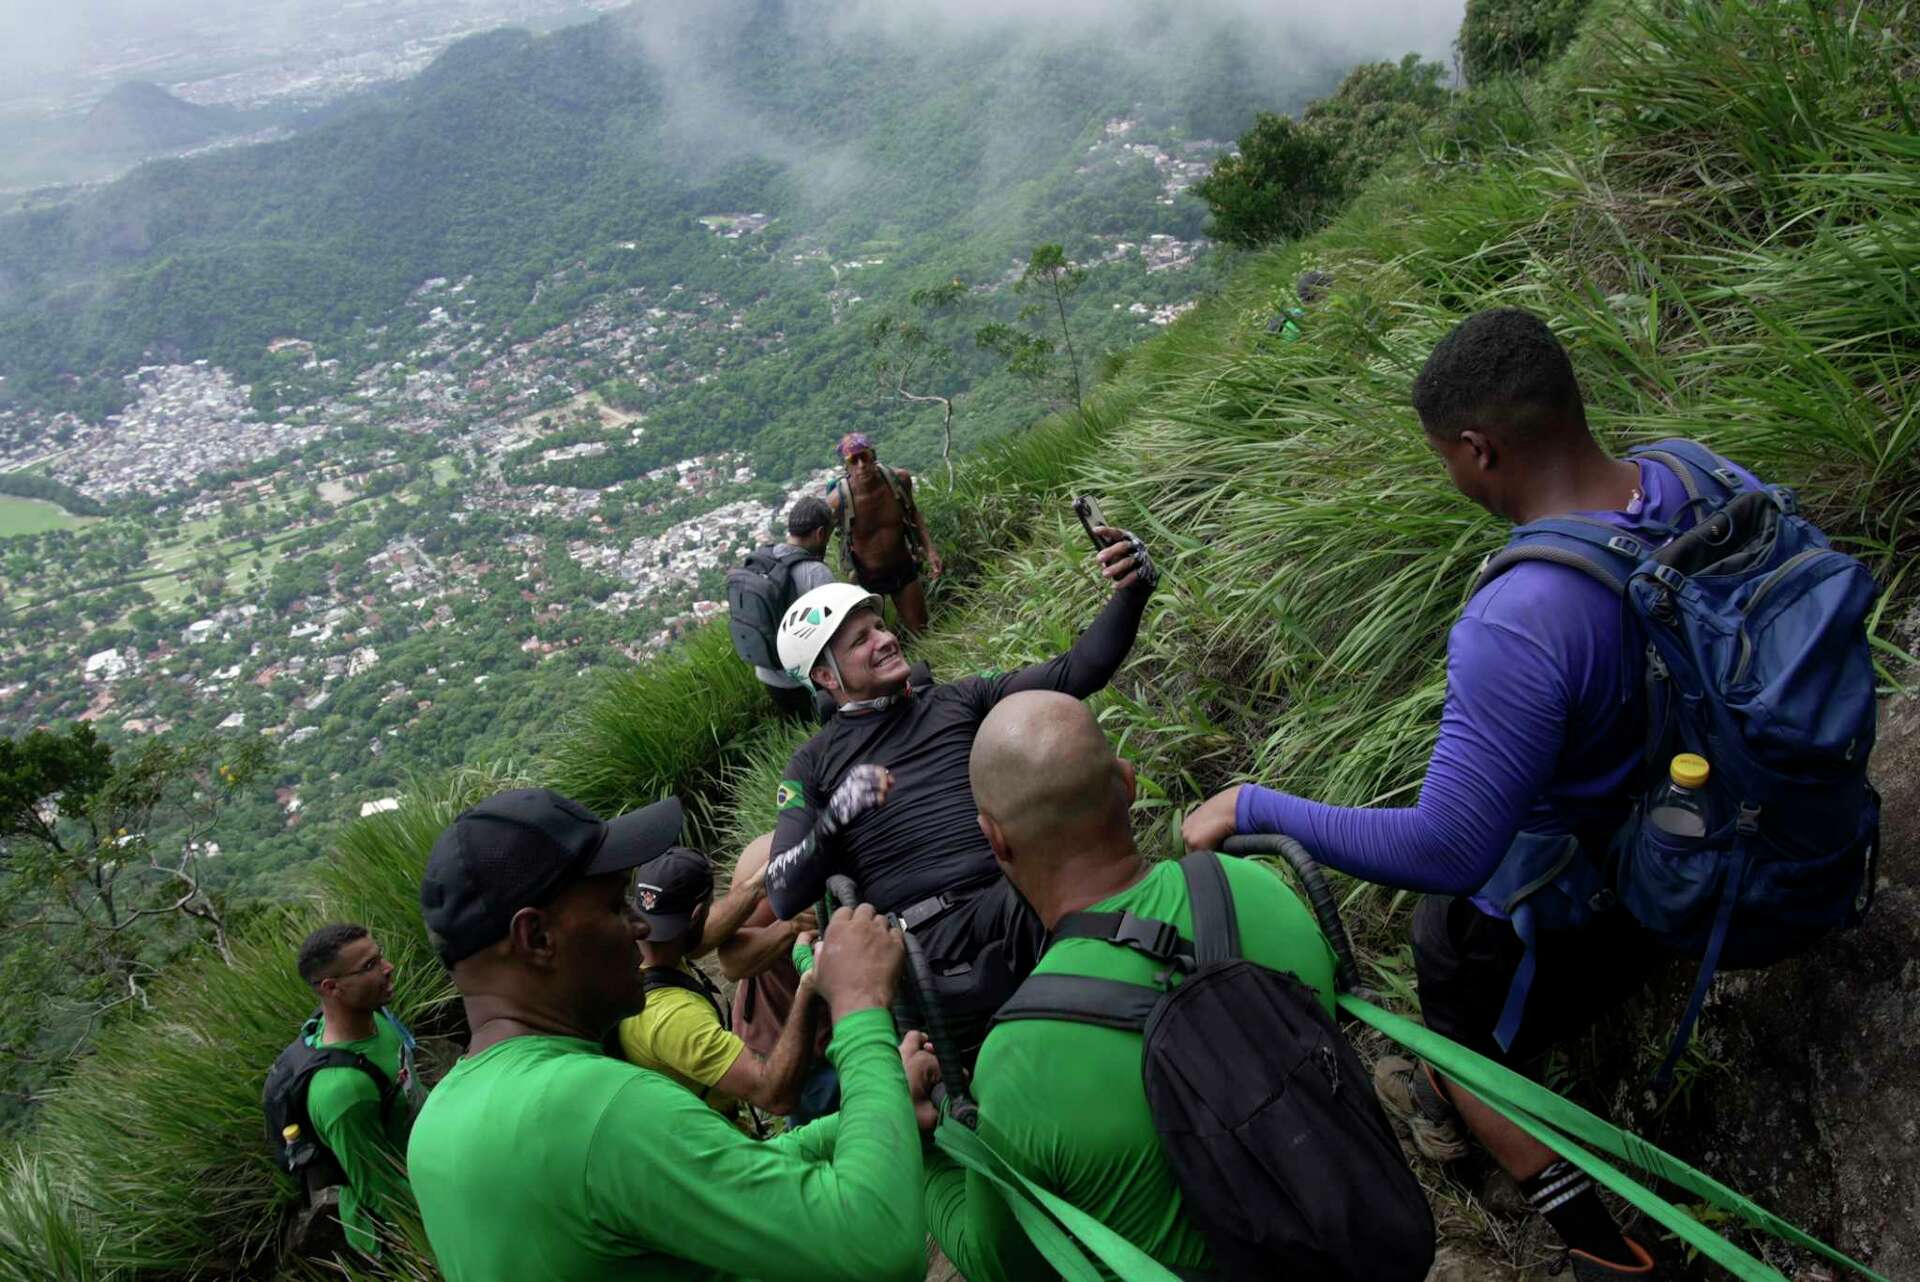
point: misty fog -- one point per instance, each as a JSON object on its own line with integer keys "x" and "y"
{"x": 48, "y": 48}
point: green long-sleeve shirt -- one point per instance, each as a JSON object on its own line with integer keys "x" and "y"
{"x": 544, "y": 1158}
{"x": 1063, "y": 1103}
{"x": 344, "y": 1106}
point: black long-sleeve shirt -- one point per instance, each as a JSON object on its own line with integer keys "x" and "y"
{"x": 924, "y": 839}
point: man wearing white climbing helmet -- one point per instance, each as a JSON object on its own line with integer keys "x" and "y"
{"x": 921, "y": 855}
{"x": 810, "y": 622}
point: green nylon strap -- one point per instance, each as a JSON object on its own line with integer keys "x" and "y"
{"x": 1558, "y": 1122}
{"x": 1055, "y": 1243}
{"x": 1121, "y": 1256}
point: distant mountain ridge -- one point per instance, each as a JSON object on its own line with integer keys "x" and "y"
{"x": 139, "y": 116}
{"x": 514, "y": 154}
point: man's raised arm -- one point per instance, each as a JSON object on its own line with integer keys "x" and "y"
{"x": 1103, "y": 647}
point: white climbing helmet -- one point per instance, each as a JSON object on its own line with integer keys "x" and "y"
{"x": 811, "y": 621}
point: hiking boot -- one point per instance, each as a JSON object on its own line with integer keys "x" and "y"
{"x": 1587, "y": 1268}
{"x": 1408, "y": 1092}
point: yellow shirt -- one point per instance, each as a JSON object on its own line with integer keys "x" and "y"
{"x": 681, "y": 1035}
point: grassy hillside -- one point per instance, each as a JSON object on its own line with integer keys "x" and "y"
{"x": 1718, "y": 207}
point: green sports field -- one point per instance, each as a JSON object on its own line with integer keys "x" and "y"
{"x": 35, "y": 516}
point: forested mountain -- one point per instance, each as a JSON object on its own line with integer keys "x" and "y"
{"x": 348, "y": 459}
{"x": 140, "y": 116}
{"x": 514, "y": 155}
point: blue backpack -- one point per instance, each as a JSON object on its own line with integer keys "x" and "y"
{"x": 1756, "y": 658}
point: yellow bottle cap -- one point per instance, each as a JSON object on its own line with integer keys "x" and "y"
{"x": 1689, "y": 770}
{"x": 290, "y": 1132}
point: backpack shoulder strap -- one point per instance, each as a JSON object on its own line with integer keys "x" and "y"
{"x": 322, "y": 1058}
{"x": 1702, "y": 473}
{"x": 900, "y": 490}
{"x": 903, "y": 494}
{"x": 1601, "y": 551}
{"x": 333, "y": 1057}
{"x": 842, "y": 520}
{"x": 1157, "y": 939}
{"x": 1081, "y": 999}
{"x": 780, "y": 560}
{"x": 657, "y": 977}
{"x": 1216, "y": 928}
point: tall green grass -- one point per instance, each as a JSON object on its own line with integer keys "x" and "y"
{"x": 657, "y": 730}
{"x": 48, "y": 1233}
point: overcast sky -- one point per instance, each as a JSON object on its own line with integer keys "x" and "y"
{"x": 57, "y": 43}
{"x": 1306, "y": 46}
{"x": 1425, "y": 26}
{"x": 65, "y": 38}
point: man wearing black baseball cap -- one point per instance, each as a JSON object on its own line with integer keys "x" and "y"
{"x": 684, "y": 1031}
{"x": 540, "y": 1156}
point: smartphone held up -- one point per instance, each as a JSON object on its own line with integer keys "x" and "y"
{"x": 1092, "y": 520}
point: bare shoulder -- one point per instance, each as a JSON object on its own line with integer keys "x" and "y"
{"x": 753, "y": 858}
{"x": 906, "y": 477}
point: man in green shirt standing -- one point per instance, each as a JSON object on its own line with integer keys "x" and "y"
{"x": 1063, "y": 1102}
{"x": 539, "y": 1156}
{"x": 362, "y": 1126}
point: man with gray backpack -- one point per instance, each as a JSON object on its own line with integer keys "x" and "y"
{"x": 1660, "y": 705}
{"x": 771, "y": 579}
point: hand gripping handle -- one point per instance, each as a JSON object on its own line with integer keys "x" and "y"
{"x": 948, "y": 1094}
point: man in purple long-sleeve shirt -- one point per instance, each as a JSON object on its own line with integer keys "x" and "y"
{"x": 1541, "y": 732}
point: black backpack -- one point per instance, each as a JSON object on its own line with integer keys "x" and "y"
{"x": 759, "y": 591}
{"x": 285, "y": 1102}
{"x": 1265, "y": 1114}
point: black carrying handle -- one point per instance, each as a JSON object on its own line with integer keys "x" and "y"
{"x": 1746, "y": 517}
{"x": 949, "y": 1093}
{"x": 841, "y": 887}
{"x": 1345, "y": 973}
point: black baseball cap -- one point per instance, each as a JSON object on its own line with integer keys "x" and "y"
{"x": 668, "y": 888}
{"x": 517, "y": 850}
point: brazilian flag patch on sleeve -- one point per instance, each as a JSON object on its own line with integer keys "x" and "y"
{"x": 789, "y": 795}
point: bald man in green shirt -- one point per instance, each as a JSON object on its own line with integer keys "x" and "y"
{"x": 1063, "y": 1102}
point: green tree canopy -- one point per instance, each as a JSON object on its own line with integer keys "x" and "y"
{"x": 1499, "y": 37}
{"x": 1284, "y": 181}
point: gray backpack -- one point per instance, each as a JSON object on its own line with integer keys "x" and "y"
{"x": 758, "y": 593}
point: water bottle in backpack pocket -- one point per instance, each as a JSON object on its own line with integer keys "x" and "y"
{"x": 1667, "y": 858}
{"x": 1785, "y": 883}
